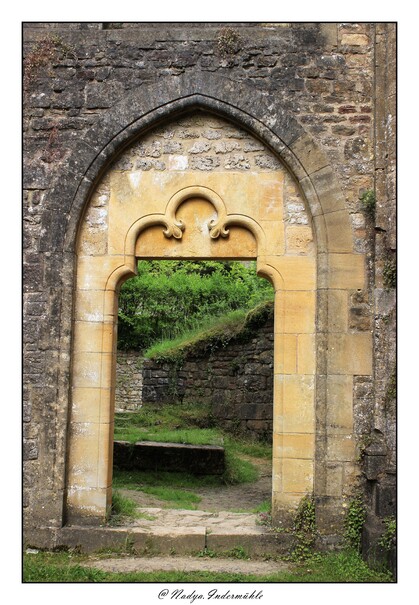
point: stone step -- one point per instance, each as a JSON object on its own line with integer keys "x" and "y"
{"x": 179, "y": 532}
{"x": 169, "y": 541}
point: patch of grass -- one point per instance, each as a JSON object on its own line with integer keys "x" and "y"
{"x": 146, "y": 516}
{"x": 263, "y": 507}
{"x": 210, "y": 332}
{"x": 164, "y": 417}
{"x": 175, "y": 497}
{"x": 58, "y": 567}
{"x": 346, "y": 566}
{"x": 238, "y": 470}
{"x": 255, "y": 449}
{"x": 137, "y": 479}
{"x": 172, "y": 488}
{"x": 123, "y": 509}
{"x": 193, "y": 436}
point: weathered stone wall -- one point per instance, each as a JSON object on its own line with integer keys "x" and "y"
{"x": 234, "y": 382}
{"x": 379, "y": 454}
{"x": 334, "y": 81}
{"x": 129, "y": 380}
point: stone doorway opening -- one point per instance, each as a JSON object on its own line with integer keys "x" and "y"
{"x": 211, "y": 387}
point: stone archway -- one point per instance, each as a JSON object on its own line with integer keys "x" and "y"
{"x": 336, "y": 270}
{"x": 245, "y": 206}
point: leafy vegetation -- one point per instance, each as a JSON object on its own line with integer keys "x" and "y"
{"x": 354, "y": 521}
{"x": 169, "y": 298}
{"x": 346, "y": 566}
{"x": 390, "y": 274}
{"x": 304, "y": 529}
{"x": 388, "y": 538}
{"x": 229, "y": 41}
{"x": 43, "y": 54}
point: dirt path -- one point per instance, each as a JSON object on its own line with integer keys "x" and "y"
{"x": 133, "y": 564}
{"x": 243, "y": 497}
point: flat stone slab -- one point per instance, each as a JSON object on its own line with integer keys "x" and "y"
{"x": 158, "y": 518}
{"x": 180, "y": 457}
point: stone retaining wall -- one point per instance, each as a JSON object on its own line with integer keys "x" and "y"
{"x": 235, "y": 382}
{"x": 129, "y": 380}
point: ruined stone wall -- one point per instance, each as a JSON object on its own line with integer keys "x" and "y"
{"x": 336, "y": 80}
{"x": 129, "y": 381}
{"x": 235, "y": 383}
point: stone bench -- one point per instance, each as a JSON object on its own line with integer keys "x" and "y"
{"x": 180, "y": 457}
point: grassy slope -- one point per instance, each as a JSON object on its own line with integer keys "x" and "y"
{"x": 214, "y": 333}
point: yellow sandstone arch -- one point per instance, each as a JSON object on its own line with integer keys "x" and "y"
{"x": 187, "y": 212}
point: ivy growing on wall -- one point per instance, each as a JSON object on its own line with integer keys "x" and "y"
{"x": 354, "y": 522}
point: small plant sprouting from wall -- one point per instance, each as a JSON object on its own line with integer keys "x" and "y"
{"x": 368, "y": 202}
{"x": 391, "y": 390}
{"x": 354, "y": 521}
{"x": 388, "y": 537}
{"x": 228, "y": 42}
{"x": 390, "y": 274}
{"x": 52, "y": 152}
{"x": 42, "y": 55}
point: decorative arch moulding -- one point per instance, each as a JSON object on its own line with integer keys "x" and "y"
{"x": 174, "y": 227}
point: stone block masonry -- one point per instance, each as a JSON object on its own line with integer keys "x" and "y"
{"x": 320, "y": 97}
{"x": 234, "y": 383}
